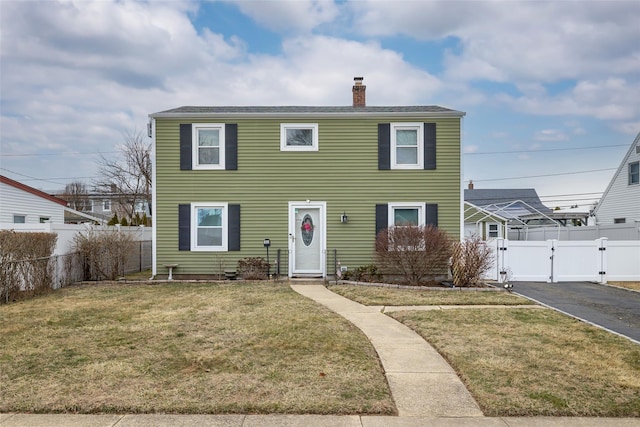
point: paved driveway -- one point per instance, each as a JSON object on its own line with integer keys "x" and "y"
{"x": 613, "y": 308}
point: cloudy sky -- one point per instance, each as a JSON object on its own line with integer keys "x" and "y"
{"x": 551, "y": 89}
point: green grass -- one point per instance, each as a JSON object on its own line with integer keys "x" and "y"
{"x": 377, "y": 295}
{"x": 185, "y": 348}
{"x": 520, "y": 362}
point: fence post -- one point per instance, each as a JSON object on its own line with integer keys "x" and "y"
{"x": 602, "y": 259}
{"x": 551, "y": 245}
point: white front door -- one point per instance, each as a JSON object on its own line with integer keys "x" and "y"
{"x": 307, "y": 239}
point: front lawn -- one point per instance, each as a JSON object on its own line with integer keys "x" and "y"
{"x": 185, "y": 348}
{"x": 522, "y": 362}
{"x": 378, "y": 295}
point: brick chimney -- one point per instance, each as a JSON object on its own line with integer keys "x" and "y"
{"x": 359, "y": 98}
{"x": 470, "y": 185}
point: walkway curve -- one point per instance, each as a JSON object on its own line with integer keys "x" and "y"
{"x": 421, "y": 381}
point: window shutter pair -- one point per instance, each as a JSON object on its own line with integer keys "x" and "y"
{"x": 382, "y": 216}
{"x": 230, "y": 146}
{"x": 184, "y": 227}
{"x": 384, "y": 146}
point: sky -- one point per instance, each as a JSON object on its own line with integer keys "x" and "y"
{"x": 551, "y": 89}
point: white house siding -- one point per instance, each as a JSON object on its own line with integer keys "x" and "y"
{"x": 14, "y": 201}
{"x": 621, "y": 200}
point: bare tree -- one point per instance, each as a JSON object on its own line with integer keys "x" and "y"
{"x": 77, "y": 195}
{"x": 127, "y": 178}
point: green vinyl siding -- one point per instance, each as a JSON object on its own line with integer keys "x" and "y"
{"x": 343, "y": 173}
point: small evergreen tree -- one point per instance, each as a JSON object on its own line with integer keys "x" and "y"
{"x": 114, "y": 220}
{"x": 124, "y": 222}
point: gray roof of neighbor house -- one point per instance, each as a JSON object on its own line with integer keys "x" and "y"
{"x": 483, "y": 197}
{"x": 305, "y": 110}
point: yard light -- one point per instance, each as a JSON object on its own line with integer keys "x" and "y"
{"x": 267, "y": 243}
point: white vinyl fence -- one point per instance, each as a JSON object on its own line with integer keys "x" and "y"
{"x": 554, "y": 261}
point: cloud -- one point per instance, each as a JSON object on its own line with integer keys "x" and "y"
{"x": 290, "y": 16}
{"x": 548, "y": 135}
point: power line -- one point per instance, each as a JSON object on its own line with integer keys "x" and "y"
{"x": 542, "y": 176}
{"x": 32, "y": 178}
{"x": 544, "y": 150}
{"x": 66, "y": 153}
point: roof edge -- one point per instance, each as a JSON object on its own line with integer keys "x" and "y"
{"x": 32, "y": 190}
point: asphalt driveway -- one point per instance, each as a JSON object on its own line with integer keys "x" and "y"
{"x": 612, "y": 308}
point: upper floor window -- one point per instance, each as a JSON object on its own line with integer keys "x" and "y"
{"x": 208, "y": 146}
{"x": 106, "y": 205}
{"x": 634, "y": 173}
{"x": 299, "y": 137}
{"x": 406, "y": 146}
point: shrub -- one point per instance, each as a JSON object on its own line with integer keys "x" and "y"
{"x": 364, "y": 273}
{"x": 415, "y": 253}
{"x": 114, "y": 220}
{"x": 253, "y": 268}
{"x": 25, "y": 264}
{"x": 471, "y": 259}
{"x": 104, "y": 252}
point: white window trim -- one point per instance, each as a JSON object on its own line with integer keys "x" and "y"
{"x": 420, "y": 135}
{"x": 629, "y": 173}
{"x": 225, "y": 227}
{"x": 20, "y": 216}
{"x": 195, "y": 127}
{"x": 106, "y": 209}
{"x": 283, "y": 136}
{"x": 406, "y": 205}
{"x": 498, "y": 230}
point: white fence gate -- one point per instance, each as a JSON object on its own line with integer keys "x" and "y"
{"x": 565, "y": 261}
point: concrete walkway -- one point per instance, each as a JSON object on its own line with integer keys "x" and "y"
{"x": 158, "y": 420}
{"x": 422, "y": 382}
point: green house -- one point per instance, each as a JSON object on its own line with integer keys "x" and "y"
{"x": 309, "y": 187}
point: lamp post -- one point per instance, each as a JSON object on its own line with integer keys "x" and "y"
{"x": 267, "y": 243}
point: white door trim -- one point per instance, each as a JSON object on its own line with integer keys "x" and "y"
{"x": 323, "y": 237}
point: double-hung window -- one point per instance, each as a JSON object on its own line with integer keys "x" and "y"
{"x": 209, "y": 223}
{"x": 407, "y": 146}
{"x": 298, "y": 137}
{"x": 406, "y": 214}
{"x": 106, "y": 205}
{"x": 208, "y": 146}
{"x": 634, "y": 173}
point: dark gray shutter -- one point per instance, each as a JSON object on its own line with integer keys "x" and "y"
{"x": 432, "y": 214}
{"x": 429, "y": 145}
{"x": 382, "y": 217}
{"x": 185, "y": 147}
{"x": 231, "y": 146}
{"x": 234, "y": 228}
{"x": 384, "y": 146}
{"x": 184, "y": 227}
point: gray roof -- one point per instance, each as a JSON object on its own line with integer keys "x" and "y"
{"x": 305, "y": 110}
{"x": 483, "y": 197}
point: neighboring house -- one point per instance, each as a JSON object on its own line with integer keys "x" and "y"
{"x": 620, "y": 203}
{"x": 102, "y": 207}
{"x": 21, "y": 204}
{"x": 314, "y": 183}
{"x": 482, "y": 223}
{"x": 492, "y": 213}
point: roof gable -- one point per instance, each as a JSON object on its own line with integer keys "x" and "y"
{"x": 623, "y": 163}
{"x": 32, "y": 190}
